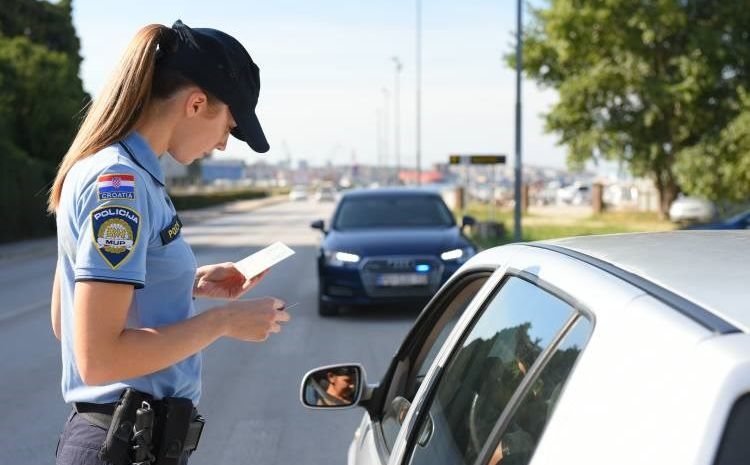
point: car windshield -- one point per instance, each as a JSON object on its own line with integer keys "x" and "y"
{"x": 393, "y": 212}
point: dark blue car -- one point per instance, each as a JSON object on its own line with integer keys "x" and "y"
{"x": 741, "y": 221}
{"x": 386, "y": 246}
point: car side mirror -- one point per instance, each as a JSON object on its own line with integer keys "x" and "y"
{"x": 468, "y": 221}
{"x": 318, "y": 224}
{"x": 334, "y": 386}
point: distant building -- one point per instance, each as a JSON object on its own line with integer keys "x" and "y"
{"x": 224, "y": 170}
{"x": 175, "y": 172}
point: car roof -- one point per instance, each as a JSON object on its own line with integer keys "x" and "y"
{"x": 391, "y": 192}
{"x": 708, "y": 268}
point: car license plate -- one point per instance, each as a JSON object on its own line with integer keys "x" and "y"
{"x": 402, "y": 279}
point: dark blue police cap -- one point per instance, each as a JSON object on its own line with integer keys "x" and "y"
{"x": 219, "y": 64}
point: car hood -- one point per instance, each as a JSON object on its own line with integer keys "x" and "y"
{"x": 404, "y": 241}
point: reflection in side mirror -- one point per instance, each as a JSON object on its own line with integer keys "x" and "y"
{"x": 336, "y": 386}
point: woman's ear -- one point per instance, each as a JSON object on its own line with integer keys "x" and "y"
{"x": 196, "y": 102}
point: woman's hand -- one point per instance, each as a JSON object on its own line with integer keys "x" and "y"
{"x": 223, "y": 281}
{"x": 253, "y": 320}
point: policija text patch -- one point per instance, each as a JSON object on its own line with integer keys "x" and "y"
{"x": 115, "y": 231}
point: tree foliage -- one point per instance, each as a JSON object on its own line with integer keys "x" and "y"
{"x": 41, "y": 96}
{"x": 718, "y": 167}
{"x": 642, "y": 82}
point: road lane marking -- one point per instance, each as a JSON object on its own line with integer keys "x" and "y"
{"x": 24, "y": 310}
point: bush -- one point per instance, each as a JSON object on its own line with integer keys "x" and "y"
{"x": 191, "y": 201}
{"x": 23, "y": 190}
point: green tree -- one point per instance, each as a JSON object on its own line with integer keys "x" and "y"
{"x": 41, "y": 97}
{"x": 42, "y": 22}
{"x": 643, "y": 82}
{"x": 718, "y": 167}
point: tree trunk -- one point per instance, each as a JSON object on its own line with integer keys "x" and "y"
{"x": 668, "y": 191}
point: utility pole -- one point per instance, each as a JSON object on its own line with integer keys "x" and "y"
{"x": 386, "y": 131}
{"x": 379, "y": 143}
{"x": 419, "y": 92}
{"x": 396, "y": 116}
{"x": 518, "y": 167}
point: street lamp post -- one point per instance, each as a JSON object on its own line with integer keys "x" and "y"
{"x": 386, "y": 131}
{"x": 379, "y": 143}
{"x": 396, "y": 115}
{"x": 518, "y": 167}
{"x": 419, "y": 92}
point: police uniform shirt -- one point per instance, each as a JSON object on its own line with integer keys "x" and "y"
{"x": 116, "y": 224}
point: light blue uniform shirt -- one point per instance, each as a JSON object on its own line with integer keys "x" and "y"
{"x": 116, "y": 223}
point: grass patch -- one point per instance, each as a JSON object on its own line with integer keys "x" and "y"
{"x": 551, "y": 223}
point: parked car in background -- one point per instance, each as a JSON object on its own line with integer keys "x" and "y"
{"x": 387, "y": 246}
{"x": 740, "y": 221}
{"x": 574, "y": 194}
{"x": 298, "y": 193}
{"x": 686, "y": 209}
{"x": 591, "y": 350}
{"x": 325, "y": 194}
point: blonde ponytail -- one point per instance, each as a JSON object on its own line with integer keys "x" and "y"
{"x": 114, "y": 113}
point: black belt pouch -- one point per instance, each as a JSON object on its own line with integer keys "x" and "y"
{"x": 116, "y": 447}
{"x": 176, "y": 413}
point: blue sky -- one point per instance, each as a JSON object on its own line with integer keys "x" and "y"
{"x": 324, "y": 65}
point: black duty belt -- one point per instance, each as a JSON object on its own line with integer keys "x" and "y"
{"x": 101, "y": 415}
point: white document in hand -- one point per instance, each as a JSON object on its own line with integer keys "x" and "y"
{"x": 261, "y": 260}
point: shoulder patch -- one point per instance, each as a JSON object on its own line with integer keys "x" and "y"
{"x": 115, "y": 231}
{"x": 115, "y": 186}
{"x": 171, "y": 232}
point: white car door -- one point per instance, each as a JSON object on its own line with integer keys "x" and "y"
{"x": 491, "y": 402}
{"x": 375, "y": 437}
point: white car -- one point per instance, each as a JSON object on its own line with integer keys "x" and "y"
{"x": 325, "y": 194}
{"x": 620, "y": 349}
{"x": 692, "y": 209}
{"x": 298, "y": 193}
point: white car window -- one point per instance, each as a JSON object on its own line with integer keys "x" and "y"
{"x": 451, "y": 312}
{"x": 525, "y": 428}
{"x": 517, "y": 325}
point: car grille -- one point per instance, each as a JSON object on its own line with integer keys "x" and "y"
{"x": 375, "y": 268}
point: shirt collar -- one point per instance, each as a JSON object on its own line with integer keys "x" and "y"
{"x": 142, "y": 155}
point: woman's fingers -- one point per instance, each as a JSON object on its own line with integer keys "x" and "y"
{"x": 282, "y": 315}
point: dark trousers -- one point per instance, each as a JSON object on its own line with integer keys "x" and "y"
{"x": 80, "y": 442}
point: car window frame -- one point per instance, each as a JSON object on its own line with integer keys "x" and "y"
{"x": 413, "y": 344}
{"x": 433, "y": 382}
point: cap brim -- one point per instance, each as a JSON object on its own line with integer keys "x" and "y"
{"x": 248, "y": 129}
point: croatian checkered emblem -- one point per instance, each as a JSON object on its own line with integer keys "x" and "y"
{"x": 116, "y": 186}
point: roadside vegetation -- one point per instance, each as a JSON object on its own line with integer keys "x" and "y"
{"x": 184, "y": 200}
{"x": 554, "y": 222}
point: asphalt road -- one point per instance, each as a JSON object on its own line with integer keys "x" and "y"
{"x": 250, "y": 391}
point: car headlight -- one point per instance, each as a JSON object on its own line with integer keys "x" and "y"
{"x": 458, "y": 255}
{"x": 334, "y": 258}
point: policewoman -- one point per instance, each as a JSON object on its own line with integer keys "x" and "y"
{"x": 122, "y": 301}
